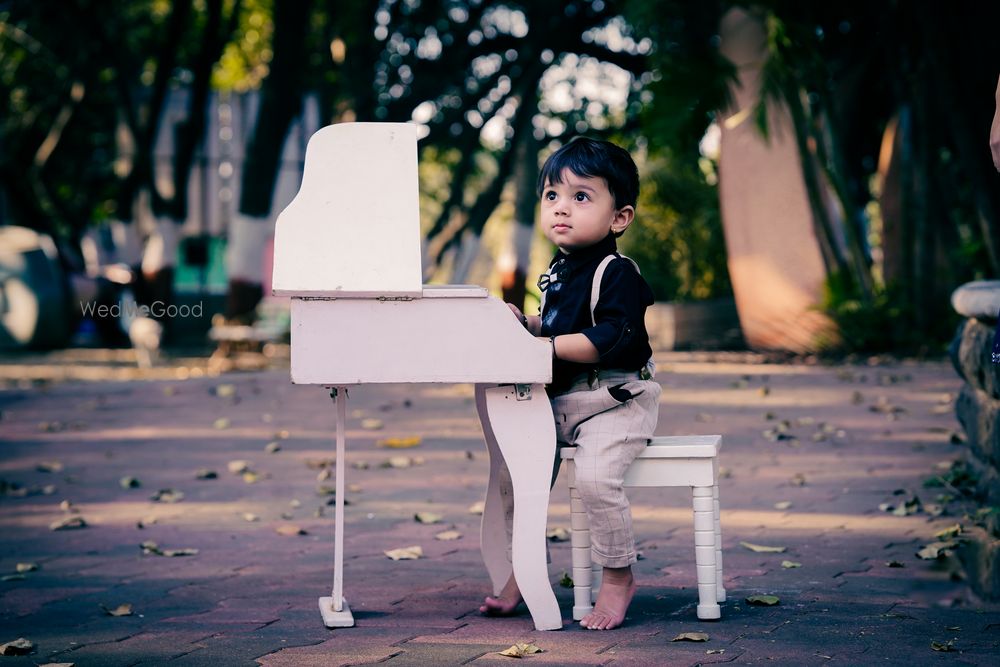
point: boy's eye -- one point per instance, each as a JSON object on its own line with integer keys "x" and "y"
{"x": 581, "y": 196}
{"x": 549, "y": 195}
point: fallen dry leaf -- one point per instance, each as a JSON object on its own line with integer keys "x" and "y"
{"x": 371, "y": 424}
{"x": 427, "y": 517}
{"x": 238, "y": 467}
{"x": 225, "y": 390}
{"x": 557, "y": 534}
{"x": 49, "y": 466}
{"x": 946, "y": 647}
{"x": 250, "y": 516}
{"x": 321, "y": 464}
{"x": 19, "y": 646}
{"x": 26, "y": 567}
{"x": 405, "y": 553}
{"x": 790, "y": 564}
{"x": 715, "y": 651}
{"x": 272, "y": 447}
{"x": 398, "y": 462}
{"x": 290, "y": 530}
{"x": 520, "y": 650}
{"x": 68, "y": 523}
{"x": 167, "y": 496}
{"x": 691, "y": 637}
{"x": 120, "y": 610}
{"x": 935, "y": 550}
{"x": 150, "y": 547}
{"x": 894, "y": 563}
{"x": 446, "y": 535}
{"x": 763, "y": 600}
{"x": 949, "y": 532}
{"x": 13, "y": 577}
{"x": 221, "y": 423}
{"x": 400, "y": 443}
{"x": 251, "y": 477}
{"x": 477, "y": 508}
{"x": 174, "y": 553}
{"x": 798, "y": 479}
{"x": 129, "y": 483}
{"x": 783, "y": 505}
{"x": 205, "y": 473}
{"x": 361, "y": 465}
{"x": 761, "y": 549}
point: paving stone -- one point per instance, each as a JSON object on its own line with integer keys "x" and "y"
{"x": 249, "y": 596}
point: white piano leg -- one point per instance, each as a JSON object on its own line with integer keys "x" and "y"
{"x": 526, "y": 437}
{"x": 336, "y": 613}
{"x": 493, "y": 537}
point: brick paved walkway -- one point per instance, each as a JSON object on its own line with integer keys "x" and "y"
{"x": 249, "y": 594}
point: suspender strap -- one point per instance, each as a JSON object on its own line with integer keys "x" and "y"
{"x": 595, "y": 287}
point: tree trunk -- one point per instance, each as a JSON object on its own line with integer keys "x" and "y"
{"x": 513, "y": 279}
{"x": 281, "y": 100}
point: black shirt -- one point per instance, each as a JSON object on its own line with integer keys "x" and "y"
{"x": 620, "y": 332}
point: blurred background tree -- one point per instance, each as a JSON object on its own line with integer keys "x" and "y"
{"x": 887, "y": 100}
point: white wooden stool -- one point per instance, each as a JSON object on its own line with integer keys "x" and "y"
{"x": 667, "y": 461}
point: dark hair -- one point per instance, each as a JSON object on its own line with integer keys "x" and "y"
{"x": 590, "y": 158}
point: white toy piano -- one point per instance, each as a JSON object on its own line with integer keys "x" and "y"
{"x": 347, "y": 250}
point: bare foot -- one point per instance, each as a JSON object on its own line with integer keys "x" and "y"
{"x": 504, "y": 604}
{"x": 613, "y": 599}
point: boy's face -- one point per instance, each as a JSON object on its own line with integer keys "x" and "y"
{"x": 580, "y": 211}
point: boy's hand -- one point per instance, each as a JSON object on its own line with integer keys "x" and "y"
{"x": 518, "y": 314}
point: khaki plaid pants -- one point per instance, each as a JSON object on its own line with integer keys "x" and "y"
{"x": 608, "y": 435}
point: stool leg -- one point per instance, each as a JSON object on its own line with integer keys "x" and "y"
{"x": 720, "y": 591}
{"x": 580, "y": 536}
{"x": 596, "y": 577}
{"x": 704, "y": 552}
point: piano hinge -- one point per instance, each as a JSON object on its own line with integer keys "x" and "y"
{"x": 523, "y": 392}
{"x": 316, "y": 298}
{"x": 395, "y": 298}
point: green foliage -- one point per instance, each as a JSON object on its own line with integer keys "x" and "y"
{"x": 244, "y": 61}
{"x": 959, "y": 477}
{"x": 677, "y": 236}
{"x": 877, "y": 326}
{"x": 885, "y": 324}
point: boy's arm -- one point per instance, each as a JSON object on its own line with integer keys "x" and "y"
{"x": 575, "y": 347}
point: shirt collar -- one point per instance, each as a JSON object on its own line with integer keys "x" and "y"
{"x": 600, "y": 249}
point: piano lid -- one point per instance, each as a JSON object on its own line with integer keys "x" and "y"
{"x": 353, "y": 229}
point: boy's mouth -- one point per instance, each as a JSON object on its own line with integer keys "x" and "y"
{"x": 560, "y": 226}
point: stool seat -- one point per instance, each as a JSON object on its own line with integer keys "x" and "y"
{"x": 672, "y": 447}
{"x": 690, "y": 460}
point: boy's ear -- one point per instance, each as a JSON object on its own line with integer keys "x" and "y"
{"x": 622, "y": 219}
